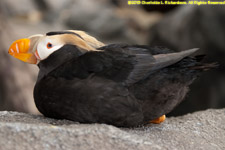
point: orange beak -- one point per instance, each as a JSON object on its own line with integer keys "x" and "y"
{"x": 20, "y": 50}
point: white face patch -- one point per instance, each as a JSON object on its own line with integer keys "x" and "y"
{"x": 46, "y": 46}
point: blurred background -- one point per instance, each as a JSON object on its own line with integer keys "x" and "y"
{"x": 114, "y": 21}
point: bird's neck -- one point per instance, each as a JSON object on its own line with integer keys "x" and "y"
{"x": 57, "y": 58}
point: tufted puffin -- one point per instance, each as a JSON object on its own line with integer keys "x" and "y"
{"x": 83, "y": 80}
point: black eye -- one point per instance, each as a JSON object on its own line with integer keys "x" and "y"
{"x": 49, "y": 45}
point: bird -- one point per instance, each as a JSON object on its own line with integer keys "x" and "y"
{"x": 84, "y": 80}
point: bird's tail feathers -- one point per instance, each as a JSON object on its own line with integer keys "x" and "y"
{"x": 205, "y": 66}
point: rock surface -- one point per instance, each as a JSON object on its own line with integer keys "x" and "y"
{"x": 201, "y": 130}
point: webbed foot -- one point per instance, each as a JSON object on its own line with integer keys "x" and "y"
{"x": 158, "y": 120}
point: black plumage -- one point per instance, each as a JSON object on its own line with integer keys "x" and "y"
{"x": 119, "y": 85}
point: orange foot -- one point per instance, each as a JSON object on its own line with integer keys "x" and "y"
{"x": 158, "y": 120}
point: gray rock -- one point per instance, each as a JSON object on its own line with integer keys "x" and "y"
{"x": 201, "y": 130}
{"x": 19, "y": 7}
{"x": 192, "y": 26}
{"x": 99, "y": 19}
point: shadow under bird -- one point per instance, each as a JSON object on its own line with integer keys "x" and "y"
{"x": 84, "y": 80}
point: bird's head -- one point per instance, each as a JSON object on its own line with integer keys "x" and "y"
{"x": 39, "y": 47}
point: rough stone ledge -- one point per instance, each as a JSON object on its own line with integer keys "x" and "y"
{"x": 200, "y": 130}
